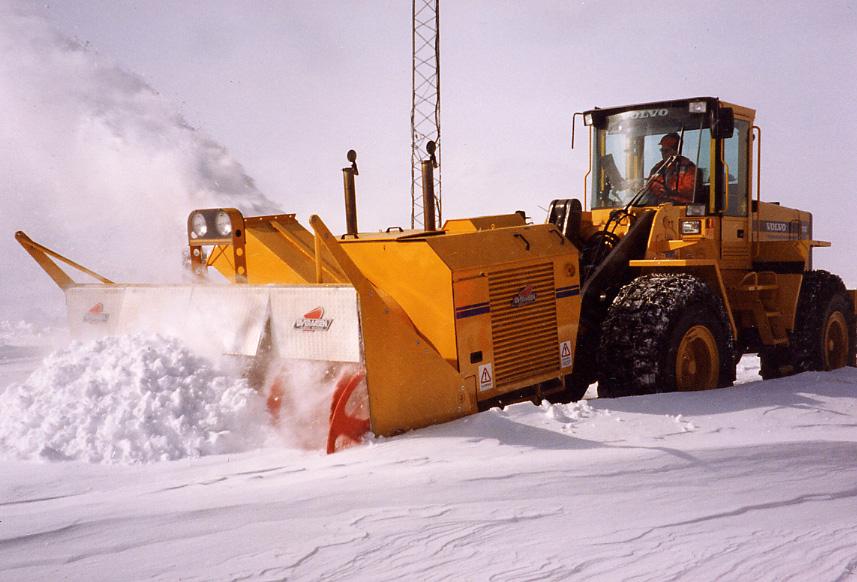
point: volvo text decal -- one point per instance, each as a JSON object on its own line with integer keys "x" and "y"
{"x": 648, "y": 113}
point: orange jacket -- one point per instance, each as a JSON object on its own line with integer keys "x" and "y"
{"x": 679, "y": 177}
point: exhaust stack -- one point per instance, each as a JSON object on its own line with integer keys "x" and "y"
{"x": 350, "y": 194}
{"x": 428, "y": 167}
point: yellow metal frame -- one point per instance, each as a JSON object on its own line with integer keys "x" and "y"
{"x": 267, "y": 250}
{"x": 410, "y": 384}
{"x": 44, "y": 257}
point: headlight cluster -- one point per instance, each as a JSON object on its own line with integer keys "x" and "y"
{"x": 210, "y": 224}
{"x": 691, "y": 227}
{"x": 223, "y": 224}
{"x": 697, "y": 107}
{"x": 199, "y": 227}
{"x": 695, "y": 210}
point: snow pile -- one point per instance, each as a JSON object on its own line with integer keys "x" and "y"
{"x": 132, "y": 399}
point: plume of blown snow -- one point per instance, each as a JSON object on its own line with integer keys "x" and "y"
{"x": 129, "y": 399}
{"x": 97, "y": 164}
{"x": 23, "y": 333}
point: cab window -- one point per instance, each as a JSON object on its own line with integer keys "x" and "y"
{"x": 736, "y": 158}
{"x": 627, "y": 151}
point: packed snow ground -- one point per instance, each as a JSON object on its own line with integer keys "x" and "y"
{"x": 756, "y": 482}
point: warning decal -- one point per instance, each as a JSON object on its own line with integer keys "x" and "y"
{"x": 486, "y": 377}
{"x": 565, "y": 354}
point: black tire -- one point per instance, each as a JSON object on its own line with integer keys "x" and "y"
{"x": 814, "y": 344}
{"x": 645, "y": 328}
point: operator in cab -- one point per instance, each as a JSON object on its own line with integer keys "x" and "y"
{"x": 674, "y": 178}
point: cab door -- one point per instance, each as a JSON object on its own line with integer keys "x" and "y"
{"x": 735, "y": 164}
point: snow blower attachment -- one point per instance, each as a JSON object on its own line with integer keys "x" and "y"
{"x": 382, "y": 332}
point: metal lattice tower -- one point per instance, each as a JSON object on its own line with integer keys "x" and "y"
{"x": 425, "y": 103}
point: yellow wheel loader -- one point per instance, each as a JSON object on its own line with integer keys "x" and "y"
{"x": 683, "y": 269}
{"x": 672, "y": 274}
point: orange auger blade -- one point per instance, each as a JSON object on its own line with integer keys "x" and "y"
{"x": 318, "y": 405}
{"x": 349, "y": 412}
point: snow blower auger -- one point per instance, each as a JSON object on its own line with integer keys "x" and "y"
{"x": 381, "y": 332}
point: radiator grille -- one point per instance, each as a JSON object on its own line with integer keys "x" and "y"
{"x": 524, "y": 335}
{"x": 734, "y": 250}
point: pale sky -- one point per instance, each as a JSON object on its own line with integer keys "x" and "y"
{"x": 288, "y": 87}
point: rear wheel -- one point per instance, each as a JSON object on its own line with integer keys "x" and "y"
{"x": 665, "y": 332}
{"x": 835, "y": 342}
{"x": 823, "y": 337}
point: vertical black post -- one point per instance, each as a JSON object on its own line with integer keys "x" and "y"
{"x": 428, "y": 195}
{"x": 350, "y": 194}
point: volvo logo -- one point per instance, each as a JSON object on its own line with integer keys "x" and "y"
{"x": 648, "y": 113}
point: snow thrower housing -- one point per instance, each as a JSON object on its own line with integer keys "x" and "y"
{"x": 443, "y": 323}
{"x": 405, "y": 328}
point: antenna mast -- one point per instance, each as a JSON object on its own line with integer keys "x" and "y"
{"x": 425, "y": 104}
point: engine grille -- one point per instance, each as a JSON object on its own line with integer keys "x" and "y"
{"x": 523, "y": 331}
{"x": 730, "y": 251}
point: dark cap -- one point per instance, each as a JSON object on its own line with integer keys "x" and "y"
{"x": 670, "y": 140}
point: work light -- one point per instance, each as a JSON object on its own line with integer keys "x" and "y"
{"x": 199, "y": 226}
{"x": 223, "y": 224}
{"x": 691, "y": 227}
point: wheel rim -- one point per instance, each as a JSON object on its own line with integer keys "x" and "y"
{"x": 697, "y": 362}
{"x": 835, "y": 342}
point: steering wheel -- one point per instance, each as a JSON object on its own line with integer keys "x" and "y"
{"x": 652, "y": 198}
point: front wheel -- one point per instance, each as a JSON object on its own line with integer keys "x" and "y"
{"x": 697, "y": 359}
{"x": 665, "y": 332}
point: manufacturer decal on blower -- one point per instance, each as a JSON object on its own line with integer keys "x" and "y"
{"x": 96, "y": 314}
{"x": 525, "y": 296}
{"x": 314, "y": 321}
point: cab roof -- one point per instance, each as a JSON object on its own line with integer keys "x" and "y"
{"x": 598, "y": 114}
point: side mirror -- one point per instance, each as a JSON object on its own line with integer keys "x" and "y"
{"x": 724, "y": 125}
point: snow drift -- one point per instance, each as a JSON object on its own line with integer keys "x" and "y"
{"x": 131, "y": 399}
{"x": 750, "y": 483}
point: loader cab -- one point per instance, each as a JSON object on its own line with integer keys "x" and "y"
{"x": 628, "y": 151}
